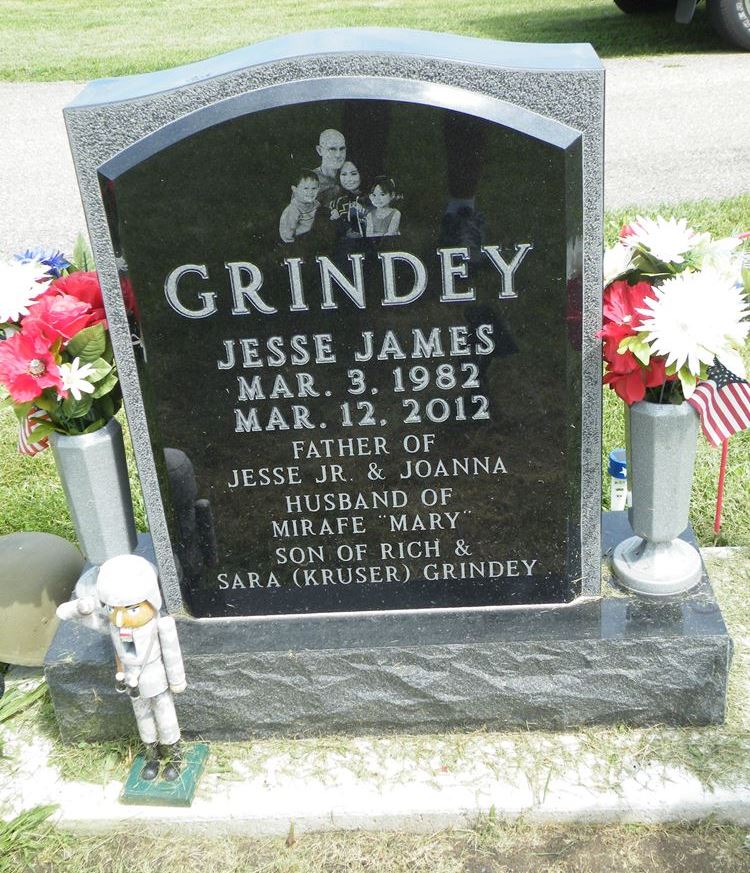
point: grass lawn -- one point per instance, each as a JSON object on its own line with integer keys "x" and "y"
{"x": 48, "y": 40}
{"x": 488, "y": 847}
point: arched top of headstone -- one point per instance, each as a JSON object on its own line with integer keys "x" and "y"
{"x": 524, "y": 121}
{"x": 370, "y": 40}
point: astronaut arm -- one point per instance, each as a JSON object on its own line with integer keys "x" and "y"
{"x": 76, "y": 608}
{"x": 171, "y": 654}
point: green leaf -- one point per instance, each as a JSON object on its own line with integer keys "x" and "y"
{"x": 624, "y": 345}
{"x": 105, "y": 386}
{"x": 100, "y": 369}
{"x": 88, "y": 344}
{"x": 106, "y": 406}
{"x": 688, "y": 382}
{"x": 97, "y": 425}
{"x": 48, "y": 404}
{"x": 21, "y": 409}
{"x": 42, "y": 430}
{"x": 108, "y": 353}
{"x": 73, "y": 408}
{"x": 82, "y": 257}
{"x": 638, "y": 346}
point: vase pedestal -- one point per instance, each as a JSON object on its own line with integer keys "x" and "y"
{"x": 661, "y": 441}
{"x": 657, "y": 569}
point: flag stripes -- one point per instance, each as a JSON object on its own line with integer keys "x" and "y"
{"x": 723, "y": 404}
{"x": 27, "y": 445}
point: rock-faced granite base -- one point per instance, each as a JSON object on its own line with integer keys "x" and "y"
{"x": 599, "y": 661}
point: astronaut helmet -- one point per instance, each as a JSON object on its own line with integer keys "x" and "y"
{"x": 127, "y": 580}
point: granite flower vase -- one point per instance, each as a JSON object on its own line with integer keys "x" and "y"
{"x": 94, "y": 476}
{"x": 661, "y": 441}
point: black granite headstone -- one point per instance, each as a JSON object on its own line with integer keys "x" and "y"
{"x": 359, "y": 318}
{"x": 353, "y": 282}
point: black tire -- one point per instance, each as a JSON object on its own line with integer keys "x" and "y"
{"x": 731, "y": 20}
{"x": 640, "y": 7}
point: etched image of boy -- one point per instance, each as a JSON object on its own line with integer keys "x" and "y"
{"x": 332, "y": 150}
{"x": 298, "y": 217}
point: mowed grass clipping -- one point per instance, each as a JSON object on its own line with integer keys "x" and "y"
{"x": 48, "y": 40}
{"x": 31, "y": 496}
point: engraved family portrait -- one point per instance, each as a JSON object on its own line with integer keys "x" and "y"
{"x": 338, "y": 192}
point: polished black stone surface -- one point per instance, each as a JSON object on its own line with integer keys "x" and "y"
{"x": 398, "y": 478}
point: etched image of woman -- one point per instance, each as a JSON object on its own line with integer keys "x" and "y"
{"x": 349, "y": 208}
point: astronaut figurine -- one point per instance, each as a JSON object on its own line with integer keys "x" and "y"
{"x": 147, "y": 655}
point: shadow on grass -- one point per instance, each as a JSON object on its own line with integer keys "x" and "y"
{"x": 611, "y": 32}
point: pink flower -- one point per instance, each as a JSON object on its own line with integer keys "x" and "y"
{"x": 84, "y": 287}
{"x": 27, "y": 367}
{"x": 57, "y": 317}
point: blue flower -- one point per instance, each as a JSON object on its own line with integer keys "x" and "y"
{"x": 54, "y": 259}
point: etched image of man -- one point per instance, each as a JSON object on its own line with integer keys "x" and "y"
{"x": 331, "y": 148}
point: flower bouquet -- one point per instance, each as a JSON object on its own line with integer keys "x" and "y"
{"x": 674, "y": 305}
{"x": 675, "y": 321}
{"x": 56, "y": 360}
{"x": 58, "y": 369}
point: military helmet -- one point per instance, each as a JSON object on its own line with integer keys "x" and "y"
{"x": 126, "y": 580}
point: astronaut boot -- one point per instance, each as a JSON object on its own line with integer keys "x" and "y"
{"x": 150, "y": 769}
{"x": 173, "y": 755}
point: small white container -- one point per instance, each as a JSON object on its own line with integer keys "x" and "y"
{"x": 618, "y": 482}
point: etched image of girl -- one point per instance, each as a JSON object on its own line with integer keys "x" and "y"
{"x": 349, "y": 210}
{"x": 383, "y": 219}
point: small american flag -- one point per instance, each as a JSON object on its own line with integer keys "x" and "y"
{"x": 723, "y": 403}
{"x": 27, "y": 445}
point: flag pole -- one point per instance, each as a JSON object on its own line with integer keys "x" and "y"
{"x": 720, "y": 489}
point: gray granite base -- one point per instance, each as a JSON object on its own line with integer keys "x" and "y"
{"x": 615, "y": 659}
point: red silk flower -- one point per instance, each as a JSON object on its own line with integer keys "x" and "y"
{"x": 630, "y": 383}
{"x": 625, "y": 373}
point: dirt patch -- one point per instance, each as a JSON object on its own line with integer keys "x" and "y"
{"x": 679, "y": 849}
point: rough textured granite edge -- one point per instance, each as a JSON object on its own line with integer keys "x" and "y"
{"x": 531, "y": 685}
{"x": 365, "y": 40}
{"x": 98, "y": 133}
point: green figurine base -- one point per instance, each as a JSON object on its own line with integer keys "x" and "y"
{"x": 159, "y": 792}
